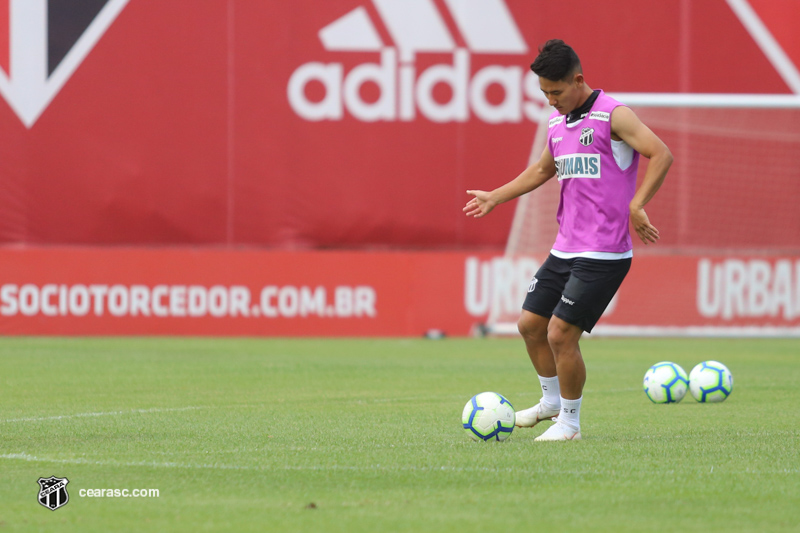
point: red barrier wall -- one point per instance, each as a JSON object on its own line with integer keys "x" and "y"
{"x": 163, "y": 292}
{"x": 317, "y": 124}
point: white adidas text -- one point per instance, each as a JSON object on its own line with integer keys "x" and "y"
{"x": 404, "y": 92}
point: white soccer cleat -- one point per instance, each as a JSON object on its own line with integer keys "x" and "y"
{"x": 528, "y": 418}
{"x": 559, "y": 431}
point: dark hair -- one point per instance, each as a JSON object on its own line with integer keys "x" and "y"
{"x": 556, "y": 61}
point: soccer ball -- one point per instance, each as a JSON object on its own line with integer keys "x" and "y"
{"x": 488, "y": 416}
{"x": 665, "y": 382}
{"x": 710, "y": 381}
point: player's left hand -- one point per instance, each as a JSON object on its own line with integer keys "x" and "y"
{"x": 641, "y": 223}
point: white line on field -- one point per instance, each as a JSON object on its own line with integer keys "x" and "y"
{"x": 195, "y": 407}
{"x": 352, "y": 468}
{"x": 82, "y": 461}
{"x": 106, "y": 413}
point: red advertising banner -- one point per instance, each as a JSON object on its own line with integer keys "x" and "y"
{"x": 205, "y": 292}
{"x": 344, "y": 123}
{"x": 697, "y": 295}
{"x": 60, "y": 291}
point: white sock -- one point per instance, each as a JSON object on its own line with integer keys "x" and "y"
{"x": 571, "y": 413}
{"x": 551, "y": 393}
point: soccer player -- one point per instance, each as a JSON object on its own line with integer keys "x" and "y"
{"x": 593, "y": 146}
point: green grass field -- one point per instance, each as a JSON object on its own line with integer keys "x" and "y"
{"x": 364, "y": 435}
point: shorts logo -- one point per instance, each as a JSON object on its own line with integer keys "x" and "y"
{"x": 600, "y": 115}
{"x": 567, "y": 300}
{"x": 587, "y": 136}
{"x": 53, "y": 492}
{"x": 532, "y": 286}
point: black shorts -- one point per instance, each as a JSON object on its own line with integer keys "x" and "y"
{"x": 575, "y": 290}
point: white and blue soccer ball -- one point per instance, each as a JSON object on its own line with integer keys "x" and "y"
{"x": 710, "y": 381}
{"x": 665, "y": 382}
{"x": 488, "y": 416}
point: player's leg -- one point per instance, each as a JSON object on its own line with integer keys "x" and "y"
{"x": 586, "y": 295}
{"x": 563, "y": 339}
{"x": 543, "y": 295}
{"x": 533, "y": 329}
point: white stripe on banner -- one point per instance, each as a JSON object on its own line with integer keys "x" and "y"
{"x": 415, "y": 26}
{"x": 763, "y": 37}
{"x": 487, "y": 26}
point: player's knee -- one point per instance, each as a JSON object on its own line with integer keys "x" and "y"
{"x": 555, "y": 339}
{"x": 557, "y": 335}
{"x": 531, "y": 326}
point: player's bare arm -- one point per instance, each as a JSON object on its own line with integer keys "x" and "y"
{"x": 626, "y": 125}
{"x": 530, "y": 179}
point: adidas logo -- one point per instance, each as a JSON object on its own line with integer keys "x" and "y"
{"x": 417, "y": 27}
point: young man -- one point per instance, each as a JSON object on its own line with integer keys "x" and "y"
{"x": 593, "y": 145}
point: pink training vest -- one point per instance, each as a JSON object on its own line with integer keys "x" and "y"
{"x": 595, "y": 192}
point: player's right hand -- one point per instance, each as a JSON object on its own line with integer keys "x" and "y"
{"x": 479, "y": 206}
{"x": 644, "y": 229}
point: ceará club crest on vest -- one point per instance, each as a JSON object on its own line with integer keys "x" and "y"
{"x": 587, "y": 136}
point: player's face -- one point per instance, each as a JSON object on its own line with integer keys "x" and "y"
{"x": 563, "y": 95}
